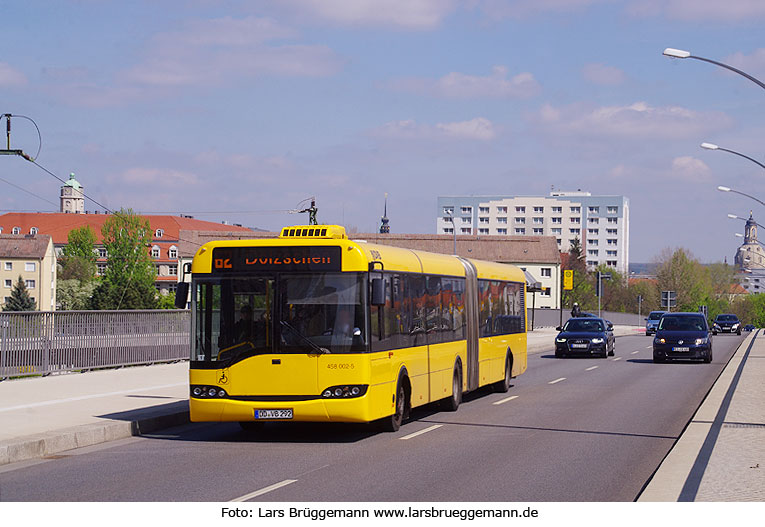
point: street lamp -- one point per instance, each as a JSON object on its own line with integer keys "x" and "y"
{"x": 712, "y": 146}
{"x": 682, "y": 54}
{"x": 728, "y": 189}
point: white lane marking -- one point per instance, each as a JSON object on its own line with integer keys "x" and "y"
{"x": 265, "y": 490}
{"x": 505, "y": 400}
{"x": 591, "y": 368}
{"x": 616, "y": 359}
{"x": 634, "y": 352}
{"x": 94, "y": 396}
{"x": 649, "y": 347}
{"x": 557, "y": 380}
{"x": 423, "y": 431}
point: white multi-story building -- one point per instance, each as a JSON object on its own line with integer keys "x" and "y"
{"x": 601, "y": 223}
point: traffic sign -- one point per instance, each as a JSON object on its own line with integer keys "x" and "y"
{"x": 668, "y": 299}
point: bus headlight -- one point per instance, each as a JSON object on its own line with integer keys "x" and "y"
{"x": 345, "y": 391}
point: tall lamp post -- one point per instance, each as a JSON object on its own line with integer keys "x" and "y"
{"x": 728, "y": 189}
{"x": 712, "y": 146}
{"x": 682, "y": 54}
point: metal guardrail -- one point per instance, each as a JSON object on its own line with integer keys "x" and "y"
{"x": 41, "y": 343}
{"x": 551, "y": 317}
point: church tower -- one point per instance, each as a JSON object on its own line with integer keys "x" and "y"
{"x": 384, "y": 227}
{"x": 72, "y": 197}
{"x": 751, "y": 254}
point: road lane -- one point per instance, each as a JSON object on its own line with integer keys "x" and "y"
{"x": 597, "y": 436}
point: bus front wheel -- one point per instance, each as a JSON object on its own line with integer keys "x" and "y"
{"x": 393, "y": 422}
{"x": 452, "y": 403}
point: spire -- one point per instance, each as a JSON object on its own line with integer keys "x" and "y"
{"x": 384, "y": 227}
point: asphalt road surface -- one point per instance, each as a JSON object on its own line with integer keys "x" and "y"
{"x": 579, "y": 429}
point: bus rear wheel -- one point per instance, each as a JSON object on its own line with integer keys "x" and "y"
{"x": 504, "y": 385}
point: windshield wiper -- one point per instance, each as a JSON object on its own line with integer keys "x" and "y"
{"x": 302, "y": 337}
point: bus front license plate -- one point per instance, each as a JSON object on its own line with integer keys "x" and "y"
{"x": 680, "y": 349}
{"x": 274, "y": 414}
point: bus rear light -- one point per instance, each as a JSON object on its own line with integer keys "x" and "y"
{"x": 344, "y": 392}
{"x": 207, "y": 392}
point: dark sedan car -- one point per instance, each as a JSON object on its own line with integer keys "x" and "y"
{"x": 726, "y": 323}
{"x": 682, "y": 336}
{"x": 749, "y": 327}
{"x": 585, "y": 336}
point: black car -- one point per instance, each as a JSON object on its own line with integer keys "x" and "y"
{"x": 585, "y": 336}
{"x": 726, "y": 323}
{"x": 749, "y": 327}
{"x": 682, "y": 336}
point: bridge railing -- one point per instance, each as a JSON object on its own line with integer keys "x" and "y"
{"x": 551, "y": 317}
{"x": 41, "y": 343}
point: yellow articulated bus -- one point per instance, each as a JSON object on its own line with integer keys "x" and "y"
{"x": 312, "y": 326}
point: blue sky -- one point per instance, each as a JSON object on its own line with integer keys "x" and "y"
{"x": 239, "y": 110}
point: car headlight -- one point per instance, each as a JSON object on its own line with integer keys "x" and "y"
{"x": 657, "y": 340}
{"x": 735, "y": 326}
{"x": 701, "y": 341}
{"x": 716, "y": 326}
{"x": 560, "y": 340}
{"x": 597, "y": 340}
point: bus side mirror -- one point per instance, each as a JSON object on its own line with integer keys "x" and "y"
{"x": 181, "y": 294}
{"x": 378, "y": 292}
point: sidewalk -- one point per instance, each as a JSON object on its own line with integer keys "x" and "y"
{"x": 721, "y": 453}
{"x": 719, "y": 457}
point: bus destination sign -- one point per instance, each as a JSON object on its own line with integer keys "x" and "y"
{"x": 285, "y": 259}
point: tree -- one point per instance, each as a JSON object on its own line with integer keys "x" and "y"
{"x": 678, "y": 271}
{"x": 583, "y": 292}
{"x": 19, "y": 299}
{"x": 128, "y": 281}
{"x": 73, "y": 294}
{"x": 78, "y": 259}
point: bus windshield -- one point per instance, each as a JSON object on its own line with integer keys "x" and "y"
{"x": 238, "y": 317}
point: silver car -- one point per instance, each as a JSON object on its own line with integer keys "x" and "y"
{"x": 653, "y": 321}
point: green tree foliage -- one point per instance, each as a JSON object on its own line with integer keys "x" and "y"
{"x": 19, "y": 299}
{"x": 128, "y": 282}
{"x": 73, "y": 294}
{"x": 78, "y": 259}
{"x": 583, "y": 292}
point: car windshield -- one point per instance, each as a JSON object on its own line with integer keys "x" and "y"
{"x": 582, "y": 326}
{"x": 682, "y": 323}
{"x": 727, "y": 318}
{"x": 655, "y": 316}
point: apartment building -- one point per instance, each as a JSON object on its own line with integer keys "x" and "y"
{"x": 601, "y": 223}
{"x": 33, "y": 258}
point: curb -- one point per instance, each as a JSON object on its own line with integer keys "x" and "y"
{"x": 43, "y": 445}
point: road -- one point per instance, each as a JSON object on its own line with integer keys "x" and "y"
{"x": 568, "y": 430}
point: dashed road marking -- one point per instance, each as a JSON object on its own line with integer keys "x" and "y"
{"x": 265, "y": 490}
{"x": 557, "y": 380}
{"x": 501, "y": 401}
{"x": 423, "y": 431}
{"x": 616, "y": 359}
{"x": 591, "y": 368}
{"x": 634, "y": 352}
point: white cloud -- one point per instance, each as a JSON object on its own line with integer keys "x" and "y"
{"x": 690, "y": 169}
{"x": 753, "y": 64}
{"x": 457, "y": 85}
{"x": 156, "y": 177}
{"x": 10, "y": 76}
{"x": 499, "y": 9}
{"x": 603, "y": 75}
{"x": 479, "y": 128}
{"x": 215, "y": 51}
{"x": 637, "y": 120}
{"x": 407, "y": 14}
{"x": 697, "y": 10}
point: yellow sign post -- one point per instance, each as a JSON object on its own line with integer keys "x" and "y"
{"x": 568, "y": 279}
